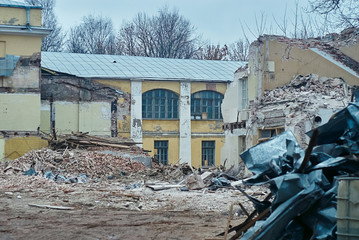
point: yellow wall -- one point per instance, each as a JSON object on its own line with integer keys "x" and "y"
{"x": 160, "y": 125}
{"x": 196, "y": 155}
{"x": 219, "y": 87}
{"x": 19, "y": 112}
{"x": 150, "y": 85}
{"x": 21, "y": 45}
{"x": 18, "y": 146}
{"x": 17, "y": 16}
{"x": 293, "y": 61}
{"x": 351, "y": 51}
{"x": 207, "y": 126}
{"x": 173, "y": 147}
{"x": 123, "y": 85}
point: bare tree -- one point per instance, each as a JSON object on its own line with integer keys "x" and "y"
{"x": 239, "y": 50}
{"x": 212, "y": 52}
{"x": 94, "y": 35}
{"x": 167, "y": 35}
{"x": 343, "y": 13}
{"x": 55, "y": 40}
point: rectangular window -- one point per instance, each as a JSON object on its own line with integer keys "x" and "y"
{"x": 208, "y": 153}
{"x": 244, "y": 86}
{"x": 161, "y": 154}
{"x": 267, "y": 133}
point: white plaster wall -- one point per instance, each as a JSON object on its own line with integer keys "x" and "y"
{"x": 229, "y": 152}
{"x": 230, "y": 104}
{"x": 19, "y": 112}
{"x": 2, "y": 149}
{"x": 185, "y": 123}
{"x": 95, "y": 118}
{"x": 24, "y": 77}
{"x": 136, "y": 111}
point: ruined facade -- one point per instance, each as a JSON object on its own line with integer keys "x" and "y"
{"x": 169, "y": 106}
{"x": 20, "y": 46}
{"x": 292, "y": 84}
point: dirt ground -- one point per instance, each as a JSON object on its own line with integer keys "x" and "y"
{"x": 113, "y": 209}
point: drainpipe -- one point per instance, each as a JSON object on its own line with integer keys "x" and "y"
{"x": 28, "y": 18}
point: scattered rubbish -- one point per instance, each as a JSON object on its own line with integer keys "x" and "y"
{"x": 164, "y": 186}
{"x": 219, "y": 182}
{"x": 303, "y": 184}
{"x": 51, "y": 207}
{"x": 30, "y": 172}
{"x": 136, "y": 185}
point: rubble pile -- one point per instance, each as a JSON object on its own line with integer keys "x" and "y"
{"x": 308, "y": 88}
{"x": 304, "y": 183}
{"x": 84, "y": 141}
{"x": 71, "y": 163}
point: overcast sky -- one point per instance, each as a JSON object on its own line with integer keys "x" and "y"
{"x": 218, "y": 21}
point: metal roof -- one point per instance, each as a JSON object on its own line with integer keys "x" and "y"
{"x": 14, "y": 3}
{"x": 133, "y": 67}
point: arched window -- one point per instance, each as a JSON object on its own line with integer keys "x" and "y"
{"x": 206, "y": 105}
{"x": 159, "y": 104}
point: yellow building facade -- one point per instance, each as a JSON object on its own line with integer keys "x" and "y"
{"x": 170, "y": 107}
{"x": 20, "y": 46}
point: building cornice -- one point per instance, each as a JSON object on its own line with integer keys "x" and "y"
{"x": 24, "y": 31}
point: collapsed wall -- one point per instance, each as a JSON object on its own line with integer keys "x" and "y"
{"x": 302, "y": 104}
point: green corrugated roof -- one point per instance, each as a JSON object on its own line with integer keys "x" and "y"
{"x": 134, "y": 67}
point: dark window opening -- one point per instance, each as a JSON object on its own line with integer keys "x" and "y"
{"x": 208, "y": 153}
{"x": 159, "y": 104}
{"x": 206, "y": 105}
{"x": 161, "y": 152}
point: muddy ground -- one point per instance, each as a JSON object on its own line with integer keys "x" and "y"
{"x": 121, "y": 208}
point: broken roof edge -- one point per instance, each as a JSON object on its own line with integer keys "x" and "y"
{"x": 332, "y": 60}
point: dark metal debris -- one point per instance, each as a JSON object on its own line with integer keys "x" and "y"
{"x": 304, "y": 186}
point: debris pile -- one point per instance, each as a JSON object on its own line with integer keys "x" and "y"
{"x": 303, "y": 183}
{"x": 71, "y": 163}
{"x": 300, "y": 105}
{"x": 84, "y": 140}
{"x": 311, "y": 86}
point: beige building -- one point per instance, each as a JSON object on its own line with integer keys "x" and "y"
{"x": 286, "y": 77}
{"x": 20, "y": 47}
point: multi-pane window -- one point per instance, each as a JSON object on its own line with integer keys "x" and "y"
{"x": 244, "y": 86}
{"x": 159, "y": 104}
{"x": 208, "y": 157}
{"x": 206, "y": 105}
{"x": 161, "y": 154}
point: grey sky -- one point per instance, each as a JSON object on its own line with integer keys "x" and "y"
{"x": 219, "y": 21}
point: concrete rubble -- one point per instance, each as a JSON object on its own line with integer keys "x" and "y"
{"x": 95, "y": 177}
{"x": 302, "y": 104}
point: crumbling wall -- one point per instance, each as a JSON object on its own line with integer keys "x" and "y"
{"x": 306, "y": 102}
{"x": 276, "y": 59}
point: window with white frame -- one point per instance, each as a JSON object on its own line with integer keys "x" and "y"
{"x": 159, "y": 104}
{"x": 244, "y": 92}
{"x": 206, "y": 105}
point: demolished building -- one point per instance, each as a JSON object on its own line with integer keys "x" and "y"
{"x": 21, "y": 32}
{"x": 289, "y": 84}
{"x": 170, "y": 106}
